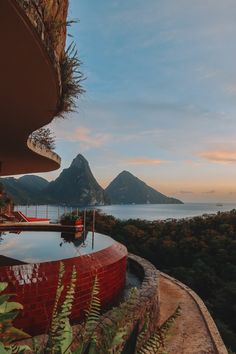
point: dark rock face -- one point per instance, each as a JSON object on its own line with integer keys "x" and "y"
{"x": 128, "y": 189}
{"x": 76, "y": 185}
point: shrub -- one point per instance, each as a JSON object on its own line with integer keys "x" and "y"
{"x": 69, "y": 218}
{"x": 45, "y": 137}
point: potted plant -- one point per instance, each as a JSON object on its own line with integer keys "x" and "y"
{"x": 71, "y": 219}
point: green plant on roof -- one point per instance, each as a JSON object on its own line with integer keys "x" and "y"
{"x": 45, "y": 137}
{"x": 8, "y": 333}
{"x": 71, "y": 78}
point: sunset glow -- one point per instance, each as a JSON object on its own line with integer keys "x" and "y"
{"x": 160, "y": 96}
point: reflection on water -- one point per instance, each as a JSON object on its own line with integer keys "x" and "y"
{"x": 42, "y": 246}
{"x": 77, "y": 238}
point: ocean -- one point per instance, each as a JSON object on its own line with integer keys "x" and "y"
{"x": 145, "y": 211}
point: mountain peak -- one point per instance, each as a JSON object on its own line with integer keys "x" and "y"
{"x": 128, "y": 189}
{"x": 127, "y": 177}
{"x": 125, "y": 173}
{"x": 76, "y": 185}
{"x": 79, "y": 161}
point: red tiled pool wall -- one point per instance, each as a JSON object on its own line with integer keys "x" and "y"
{"x": 35, "y": 285}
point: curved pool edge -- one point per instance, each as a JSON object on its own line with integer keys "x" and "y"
{"x": 35, "y": 285}
{"x": 26, "y": 226}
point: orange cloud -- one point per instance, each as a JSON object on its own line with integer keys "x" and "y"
{"x": 84, "y": 135}
{"x": 143, "y": 161}
{"x": 212, "y": 191}
{"x": 220, "y": 156}
{"x": 185, "y": 192}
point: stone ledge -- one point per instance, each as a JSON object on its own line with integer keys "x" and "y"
{"x": 146, "y": 307}
{"x": 210, "y": 324}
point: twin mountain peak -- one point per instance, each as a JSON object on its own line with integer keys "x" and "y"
{"x": 77, "y": 186}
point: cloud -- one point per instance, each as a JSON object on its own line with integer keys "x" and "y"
{"x": 185, "y": 192}
{"x": 220, "y": 156}
{"x": 9, "y": 245}
{"x": 143, "y": 161}
{"x": 204, "y": 72}
{"x": 84, "y": 136}
{"x": 209, "y": 192}
{"x": 230, "y": 88}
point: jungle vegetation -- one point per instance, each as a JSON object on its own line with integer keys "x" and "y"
{"x": 83, "y": 339}
{"x": 200, "y": 252}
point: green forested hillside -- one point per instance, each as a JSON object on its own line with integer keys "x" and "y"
{"x": 200, "y": 252}
{"x": 26, "y": 189}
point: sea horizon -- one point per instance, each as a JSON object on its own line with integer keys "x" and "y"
{"x": 133, "y": 211}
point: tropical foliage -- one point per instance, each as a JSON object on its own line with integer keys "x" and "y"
{"x": 200, "y": 252}
{"x": 155, "y": 344}
{"x": 60, "y": 332}
{"x": 85, "y": 337}
{"x": 84, "y": 340}
{"x": 71, "y": 78}
{"x": 117, "y": 329}
{"x": 8, "y": 333}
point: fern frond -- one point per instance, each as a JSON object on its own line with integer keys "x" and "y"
{"x": 86, "y": 337}
{"x": 93, "y": 312}
{"x": 157, "y": 340}
{"x": 144, "y": 331}
{"x": 170, "y": 320}
{"x": 60, "y": 288}
{"x": 114, "y": 333}
{"x": 60, "y": 334}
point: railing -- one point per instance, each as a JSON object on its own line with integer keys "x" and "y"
{"x": 54, "y": 213}
{"x": 43, "y": 150}
{"x": 46, "y": 211}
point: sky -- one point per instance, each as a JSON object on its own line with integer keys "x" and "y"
{"x": 160, "y": 96}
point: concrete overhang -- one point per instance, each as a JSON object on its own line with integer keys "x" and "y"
{"x": 29, "y": 93}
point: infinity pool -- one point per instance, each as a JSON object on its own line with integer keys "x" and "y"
{"x": 43, "y": 246}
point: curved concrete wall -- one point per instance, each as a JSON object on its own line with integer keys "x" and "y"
{"x": 43, "y": 151}
{"x": 30, "y": 87}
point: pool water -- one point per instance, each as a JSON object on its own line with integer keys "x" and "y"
{"x": 43, "y": 246}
